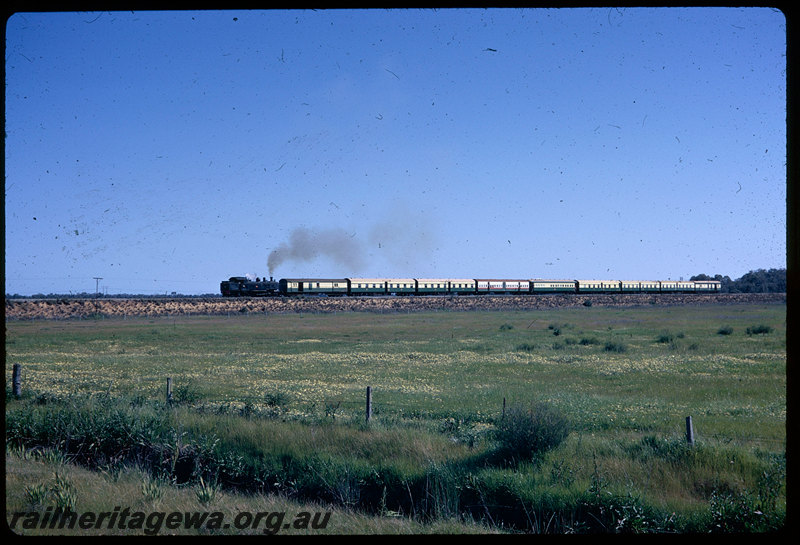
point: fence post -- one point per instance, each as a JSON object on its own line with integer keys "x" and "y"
{"x": 689, "y": 431}
{"x": 504, "y": 409}
{"x": 369, "y": 402}
{"x": 169, "y": 390}
{"x": 16, "y": 380}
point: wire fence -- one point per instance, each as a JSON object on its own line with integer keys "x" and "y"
{"x": 176, "y": 395}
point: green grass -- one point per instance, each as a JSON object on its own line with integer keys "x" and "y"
{"x": 135, "y": 489}
{"x": 279, "y": 400}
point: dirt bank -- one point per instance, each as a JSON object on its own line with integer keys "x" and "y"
{"x": 60, "y": 309}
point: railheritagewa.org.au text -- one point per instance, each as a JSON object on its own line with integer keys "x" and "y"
{"x": 155, "y": 522}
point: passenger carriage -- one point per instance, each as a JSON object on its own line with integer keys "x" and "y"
{"x": 313, "y": 286}
{"x": 518, "y": 286}
{"x": 650, "y": 286}
{"x": 539, "y": 285}
{"x": 461, "y": 286}
{"x": 502, "y": 286}
{"x": 598, "y": 286}
{"x": 401, "y": 286}
{"x": 367, "y": 286}
{"x": 639, "y": 286}
{"x": 677, "y": 286}
{"x": 431, "y": 286}
{"x": 630, "y": 286}
{"x": 686, "y": 286}
{"x": 707, "y": 286}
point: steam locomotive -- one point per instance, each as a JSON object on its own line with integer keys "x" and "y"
{"x": 239, "y": 286}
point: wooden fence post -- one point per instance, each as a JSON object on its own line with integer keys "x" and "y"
{"x": 169, "y": 390}
{"x": 16, "y": 380}
{"x": 689, "y": 431}
{"x": 504, "y": 409}
{"x": 369, "y": 402}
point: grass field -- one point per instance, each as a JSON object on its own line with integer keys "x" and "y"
{"x": 274, "y": 404}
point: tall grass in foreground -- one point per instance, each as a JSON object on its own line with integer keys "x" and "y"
{"x": 100, "y": 491}
{"x": 569, "y": 483}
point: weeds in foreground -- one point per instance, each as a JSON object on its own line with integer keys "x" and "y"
{"x": 152, "y": 488}
{"x": 742, "y": 512}
{"x": 206, "y": 492}
{"x": 59, "y": 493}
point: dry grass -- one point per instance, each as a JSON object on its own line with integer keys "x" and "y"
{"x": 99, "y": 492}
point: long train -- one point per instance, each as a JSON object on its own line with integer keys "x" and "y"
{"x": 239, "y": 286}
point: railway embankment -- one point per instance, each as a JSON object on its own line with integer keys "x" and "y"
{"x": 64, "y": 309}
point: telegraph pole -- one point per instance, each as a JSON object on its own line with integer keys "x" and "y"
{"x": 97, "y": 294}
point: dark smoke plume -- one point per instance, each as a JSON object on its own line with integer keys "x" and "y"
{"x": 306, "y": 245}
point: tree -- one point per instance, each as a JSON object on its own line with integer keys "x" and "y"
{"x": 758, "y": 281}
{"x": 762, "y": 281}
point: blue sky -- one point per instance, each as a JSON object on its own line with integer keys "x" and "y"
{"x": 167, "y": 151}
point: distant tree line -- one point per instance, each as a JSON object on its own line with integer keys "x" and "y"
{"x": 759, "y": 281}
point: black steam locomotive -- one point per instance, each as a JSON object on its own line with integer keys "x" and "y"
{"x": 240, "y": 286}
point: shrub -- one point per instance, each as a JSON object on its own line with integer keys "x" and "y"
{"x": 277, "y": 398}
{"x": 613, "y": 346}
{"x": 528, "y": 430}
{"x": 759, "y": 330}
{"x": 185, "y": 394}
{"x": 726, "y": 330}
